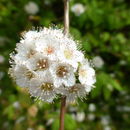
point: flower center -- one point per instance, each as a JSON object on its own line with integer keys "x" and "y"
{"x": 31, "y": 53}
{"x": 47, "y": 86}
{"x": 68, "y": 54}
{"x": 30, "y": 75}
{"x": 82, "y": 72}
{"x": 49, "y": 50}
{"x": 62, "y": 71}
{"x": 73, "y": 89}
{"x": 42, "y": 64}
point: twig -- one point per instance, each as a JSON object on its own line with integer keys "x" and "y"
{"x": 62, "y": 112}
{"x": 66, "y": 31}
{"x": 66, "y": 17}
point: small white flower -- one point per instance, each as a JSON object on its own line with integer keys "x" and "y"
{"x": 31, "y": 8}
{"x": 39, "y": 63}
{"x": 2, "y": 59}
{"x": 69, "y": 54}
{"x": 80, "y": 116}
{"x": 26, "y": 51}
{"x": 107, "y": 128}
{"x": 45, "y": 46}
{"x": 78, "y": 9}
{"x": 63, "y": 74}
{"x": 30, "y": 128}
{"x": 73, "y": 92}
{"x": 50, "y": 121}
{"x": 22, "y": 75}
{"x": 122, "y": 62}
{"x": 44, "y": 88}
{"x": 20, "y": 119}
{"x": 92, "y": 107}
{"x": 16, "y": 105}
{"x": 86, "y": 75}
{"x": 105, "y": 120}
{"x": 98, "y": 62}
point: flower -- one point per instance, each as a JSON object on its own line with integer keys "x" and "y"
{"x": 78, "y": 9}
{"x": 73, "y": 92}
{"x": 32, "y": 111}
{"x": 105, "y": 120}
{"x": 80, "y": 116}
{"x": 92, "y": 107}
{"x": 45, "y": 46}
{"x": 49, "y": 63}
{"x": 86, "y": 74}
{"x": 22, "y": 75}
{"x": 16, "y": 105}
{"x": 50, "y": 121}
{"x": 63, "y": 74}
{"x": 31, "y": 8}
{"x": 98, "y": 61}
{"x": 26, "y": 51}
{"x": 43, "y": 88}
{"x": 69, "y": 54}
{"x": 107, "y": 128}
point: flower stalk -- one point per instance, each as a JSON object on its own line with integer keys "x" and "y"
{"x": 62, "y": 112}
{"x": 66, "y": 31}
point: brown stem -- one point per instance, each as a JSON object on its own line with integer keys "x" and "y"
{"x": 66, "y": 31}
{"x": 62, "y": 112}
{"x": 66, "y": 17}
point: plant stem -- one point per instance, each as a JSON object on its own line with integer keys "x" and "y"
{"x": 62, "y": 112}
{"x": 66, "y": 17}
{"x": 66, "y": 31}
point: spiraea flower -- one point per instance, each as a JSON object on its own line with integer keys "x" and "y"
{"x": 49, "y": 64}
{"x": 78, "y": 9}
{"x": 31, "y": 8}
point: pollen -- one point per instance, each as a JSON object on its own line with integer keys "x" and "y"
{"x": 62, "y": 71}
{"x": 68, "y": 54}
{"x": 47, "y": 86}
{"x": 82, "y": 72}
{"x": 49, "y": 50}
{"x": 30, "y": 75}
{"x": 42, "y": 64}
{"x": 73, "y": 89}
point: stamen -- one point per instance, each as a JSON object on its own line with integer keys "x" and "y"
{"x": 30, "y": 75}
{"x": 62, "y": 71}
{"x": 68, "y": 54}
{"x": 42, "y": 64}
{"x": 49, "y": 50}
{"x": 83, "y": 72}
{"x": 47, "y": 86}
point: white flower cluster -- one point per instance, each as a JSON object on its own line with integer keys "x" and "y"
{"x": 48, "y": 63}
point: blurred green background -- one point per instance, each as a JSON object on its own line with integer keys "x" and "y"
{"x": 102, "y": 27}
